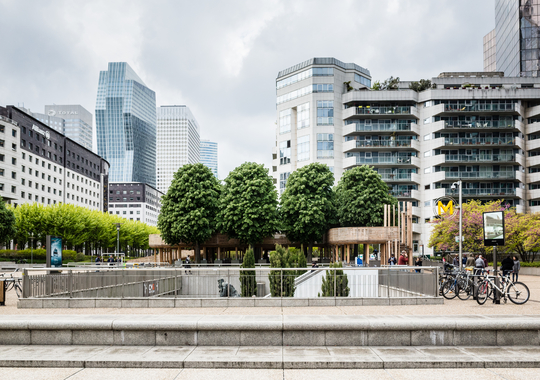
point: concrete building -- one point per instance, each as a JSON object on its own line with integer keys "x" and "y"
{"x": 40, "y": 164}
{"x": 135, "y": 201}
{"x": 126, "y": 125}
{"x": 209, "y": 155}
{"x": 481, "y": 128}
{"x": 513, "y": 47}
{"x": 178, "y": 139}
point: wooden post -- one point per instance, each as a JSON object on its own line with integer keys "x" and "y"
{"x": 366, "y": 250}
{"x": 384, "y": 218}
{"x": 348, "y": 253}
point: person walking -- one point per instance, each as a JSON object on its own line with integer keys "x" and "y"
{"x": 517, "y": 267}
{"x": 402, "y": 259}
{"x": 507, "y": 265}
{"x": 418, "y": 263}
{"x": 392, "y": 260}
{"x": 469, "y": 262}
{"x": 485, "y": 261}
{"x": 455, "y": 262}
{"x": 479, "y": 266}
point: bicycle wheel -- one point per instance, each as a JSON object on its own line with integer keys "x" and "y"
{"x": 18, "y": 290}
{"x": 464, "y": 293}
{"x": 484, "y": 291}
{"x": 449, "y": 290}
{"x": 518, "y": 293}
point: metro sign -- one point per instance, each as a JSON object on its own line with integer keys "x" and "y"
{"x": 445, "y": 206}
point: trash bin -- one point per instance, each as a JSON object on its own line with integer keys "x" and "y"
{"x": 2, "y": 293}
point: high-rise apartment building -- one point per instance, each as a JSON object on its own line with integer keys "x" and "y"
{"x": 126, "y": 125}
{"x": 481, "y": 128}
{"x": 135, "y": 201}
{"x": 74, "y": 121}
{"x": 209, "y": 155}
{"x": 513, "y": 47}
{"x": 178, "y": 141}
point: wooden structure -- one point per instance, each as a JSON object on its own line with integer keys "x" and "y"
{"x": 338, "y": 244}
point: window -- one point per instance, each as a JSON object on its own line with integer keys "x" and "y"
{"x": 283, "y": 181}
{"x": 14, "y": 175}
{"x": 427, "y": 153}
{"x": 302, "y": 116}
{"x": 427, "y": 170}
{"x": 14, "y": 132}
{"x": 1, "y": 158}
{"x": 13, "y": 160}
{"x": 303, "y": 148}
{"x": 14, "y": 147}
{"x": 285, "y": 121}
{"x": 362, "y": 80}
{"x": 2, "y": 142}
{"x": 325, "y": 112}
{"x": 325, "y": 145}
{"x": 427, "y": 137}
{"x": 285, "y": 152}
{"x": 13, "y": 189}
{"x": 1, "y": 172}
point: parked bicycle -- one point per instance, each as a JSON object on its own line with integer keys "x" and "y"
{"x": 12, "y": 282}
{"x": 517, "y": 292}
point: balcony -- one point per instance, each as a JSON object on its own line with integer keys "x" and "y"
{"x": 462, "y": 124}
{"x": 417, "y": 228}
{"x": 481, "y": 107}
{"x": 532, "y": 128}
{"x": 397, "y": 110}
{"x": 392, "y": 160}
{"x": 533, "y": 161}
{"x": 480, "y": 175}
{"x": 483, "y": 192}
{"x": 532, "y": 111}
{"x": 533, "y": 144}
{"x": 398, "y": 177}
{"x": 497, "y": 141}
{"x": 533, "y": 177}
{"x": 414, "y": 194}
{"x": 388, "y": 144}
{"x": 380, "y": 127}
{"x": 480, "y": 158}
{"x": 534, "y": 194}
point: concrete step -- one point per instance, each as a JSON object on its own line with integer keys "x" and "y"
{"x": 269, "y": 330}
{"x": 269, "y": 357}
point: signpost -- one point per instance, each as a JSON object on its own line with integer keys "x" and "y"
{"x": 493, "y": 237}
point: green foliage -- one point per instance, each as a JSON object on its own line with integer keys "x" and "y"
{"x": 39, "y": 255}
{"x": 77, "y": 225}
{"x": 422, "y": 85}
{"x": 348, "y": 86}
{"x": 248, "y": 205}
{"x": 340, "y": 280}
{"x": 248, "y": 280}
{"x": 376, "y": 86}
{"x": 388, "y": 84}
{"x": 307, "y": 204}
{"x": 360, "y": 196}
{"x": 189, "y": 209}
{"x": 282, "y": 258}
{"x": 7, "y": 223}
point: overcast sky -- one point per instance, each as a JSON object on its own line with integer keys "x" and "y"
{"x": 221, "y": 58}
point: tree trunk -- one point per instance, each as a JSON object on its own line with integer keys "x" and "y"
{"x": 197, "y": 254}
{"x": 309, "y": 253}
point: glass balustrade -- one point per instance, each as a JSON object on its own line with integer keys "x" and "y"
{"x": 367, "y": 110}
{"x": 479, "y": 124}
{"x": 395, "y": 177}
{"x": 390, "y": 127}
{"x": 484, "y": 192}
{"x": 482, "y": 175}
{"x": 479, "y": 141}
{"x": 383, "y": 160}
{"x": 383, "y": 143}
{"x": 479, "y": 157}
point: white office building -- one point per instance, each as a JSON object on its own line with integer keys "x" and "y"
{"x": 178, "y": 142}
{"x": 135, "y": 201}
{"x": 481, "y": 128}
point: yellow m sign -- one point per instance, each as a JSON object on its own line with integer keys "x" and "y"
{"x": 448, "y": 208}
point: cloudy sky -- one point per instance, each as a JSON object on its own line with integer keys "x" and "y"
{"x": 221, "y": 58}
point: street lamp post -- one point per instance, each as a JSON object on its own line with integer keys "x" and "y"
{"x": 460, "y": 184}
{"x": 118, "y": 237}
{"x": 31, "y": 248}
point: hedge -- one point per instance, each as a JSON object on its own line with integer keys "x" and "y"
{"x": 39, "y": 254}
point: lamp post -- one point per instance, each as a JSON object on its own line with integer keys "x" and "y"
{"x": 118, "y": 237}
{"x": 459, "y": 184}
{"x": 31, "y": 248}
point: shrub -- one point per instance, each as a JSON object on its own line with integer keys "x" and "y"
{"x": 281, "y": 258}
{"x": 248, "y": 279}
{"x": 341, "y": 282}
{"x": 39, "y": 254}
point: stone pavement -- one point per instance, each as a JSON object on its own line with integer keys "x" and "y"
{"x": 244, "y": 357}
{"x": 269, "y": 374}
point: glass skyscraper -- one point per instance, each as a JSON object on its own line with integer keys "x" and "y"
{"x": 126, "y": 125}
{"x": 209, "y": 155}
{"x": 515, "y": 41}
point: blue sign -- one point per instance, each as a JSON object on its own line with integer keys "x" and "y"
{"x": 56, "y": 251}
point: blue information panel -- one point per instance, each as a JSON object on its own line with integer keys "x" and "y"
{"x": 56, "y": 251}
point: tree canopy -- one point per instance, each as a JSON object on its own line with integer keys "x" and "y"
{"x": 7, "y": 223}
{"x": 360, "y": 196}
{"x": 421, "y": 85}
{"x": 248, "y": 205}
{"x": 307, "y": 204}
{"x": 189, "y": 209}
{"x": 388, "y": 84}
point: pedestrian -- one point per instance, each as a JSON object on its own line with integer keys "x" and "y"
{"x": 479, "y": 266}
{"x": 455, "y": 262}
{"x": 507, "y": 265}
{"x": 470, "y": 262}
{"x": 418, "y": 263}
{"x": 464, "y": 260}
{"x": 402, "y": 259}
{"x": 392, "y": 260}
{"x": 485, "y": 261}
{"x": 517, "y": 267}
{"x": 110, "y": 260}
{"x": 188, "y": 261}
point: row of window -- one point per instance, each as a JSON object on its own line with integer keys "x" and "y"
{"x": 314, "y": 71}
{"x": 322, "y": 87}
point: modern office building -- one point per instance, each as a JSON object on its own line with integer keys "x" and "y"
{"x": 209, "y": 155}
{"x": 481, "y": 128}
{"x": 135, "y": 201}
{"x": 126, "y": 125}
{"x": 40, "y": 164}
{"x": 513, "y": 47}
{"x": 178, "y": 141}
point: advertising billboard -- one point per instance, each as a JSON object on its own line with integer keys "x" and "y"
{"x": 493, "y": 228}
{"x": 54, "y": 251}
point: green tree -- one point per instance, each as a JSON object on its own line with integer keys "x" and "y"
{"x": 282, "y": 284}
{"x": 360, "y": 196}
{"x": 335, "y": 279}
{"x": 388, "y": 84}
{"x": 422, "y": 85}
{"x": 307, "y": 204}
{"x": 248, "y": 204}
{"x": 189, "y": 209}
{"x": 7, "y": 223}
{"x": 248, "y": 280}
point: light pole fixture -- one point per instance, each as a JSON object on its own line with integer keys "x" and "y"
{"x": 459, "y": 184}
{"x": 31, "y": 248}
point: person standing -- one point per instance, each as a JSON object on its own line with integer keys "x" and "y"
{"x": 485, "y": 261}
{"x": 418, "y": 263}
{"x": 479, "y": 265}
{"x": 402, "y": 259}
{"x": 392, "y": 260}
{"x": 517, "y": 267}
{"x": 469, "y": 262}
{"x": 455, "y": 262}
{"x": 507, "y": 265}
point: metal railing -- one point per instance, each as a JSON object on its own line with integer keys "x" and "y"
{"x": 479, "y": 124}
{"x": 384, "y": 110}
{"x": 382, "y": 127}
{"x": 353, "y": 282}
{"x": 396, "y": 177}
{"x": 482, "y": 175}
{"x": 485, "y": 192}
{"x": 480, "y": 157}
{"x": 383, "y": 143}
{"x": 384, "y": 160}
{"x": 479, "y": 141}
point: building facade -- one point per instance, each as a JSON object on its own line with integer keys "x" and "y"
{"x": 481, "y": 128}
{"x": 178, "y": 139}
{"x": 516, "y": 39}
{"x": 209, "y": 155}
{"x": 126, "y": 125}
{"x": 40, "y": 164}
{"x": 135, "y": 201}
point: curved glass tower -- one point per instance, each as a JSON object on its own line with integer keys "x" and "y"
{"x": 126, "y": 125}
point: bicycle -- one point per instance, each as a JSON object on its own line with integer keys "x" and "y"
{"x": 13, "y": 283}
{"x": 517, "y": 292}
